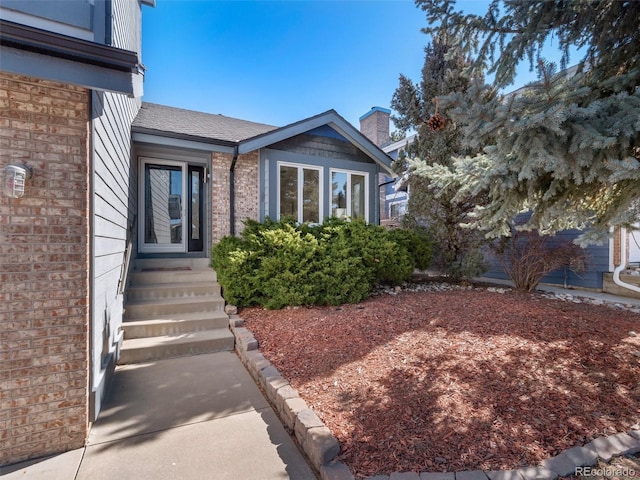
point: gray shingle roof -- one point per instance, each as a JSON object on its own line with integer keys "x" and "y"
{"x": 197, "y": 124}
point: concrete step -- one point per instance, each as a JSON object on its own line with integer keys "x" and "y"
{"x": 140, "y": 350}
{"x": 146, "y": 309}
{"x": 156, "y": 277}
{"x": 174, "y": 308}
{"x": 172, "y": 290}
{"x": 175, "y": 324}
{"x": 172, "y": 263}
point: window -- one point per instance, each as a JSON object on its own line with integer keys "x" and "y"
{"x": 300, "y": 193}
{"x": 349, "y": 194}
{"x": 397, "y": 209}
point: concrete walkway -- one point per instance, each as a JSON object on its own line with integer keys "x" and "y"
{"x": 576, "y": 292}
{"x": 199, "y": 417}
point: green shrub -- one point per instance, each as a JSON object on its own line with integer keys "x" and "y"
{"x": 276, "y": 264}
{"x": 232, "y": 259}
{"x": 418, "y": 244}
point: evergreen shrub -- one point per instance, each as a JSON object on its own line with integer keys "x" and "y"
{"x": 277, "y": 264}
{"x": 418, "y": 243}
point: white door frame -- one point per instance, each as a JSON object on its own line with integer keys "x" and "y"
{"x": 160, "y": 247}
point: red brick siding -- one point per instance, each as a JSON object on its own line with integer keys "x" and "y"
{"x": 44, "y": 270}
{"x": 246, "y": 192}
{"x": 617, "y": 238}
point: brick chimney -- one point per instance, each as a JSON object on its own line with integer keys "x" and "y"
{"x": 375, "y": 125}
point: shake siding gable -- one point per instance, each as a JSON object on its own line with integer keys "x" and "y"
{"x": 44, "y": 258}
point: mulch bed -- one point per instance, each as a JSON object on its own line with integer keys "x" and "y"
{"x": 458, "y": 380}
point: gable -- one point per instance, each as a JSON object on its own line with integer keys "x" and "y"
{"x": 322, "y": 142}
{"x": 327, "y": 129}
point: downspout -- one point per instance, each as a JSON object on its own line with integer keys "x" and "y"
{"x": 232, "y": 193}
{"x": 623, "y": 264}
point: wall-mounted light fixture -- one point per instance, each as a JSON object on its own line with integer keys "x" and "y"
{"x": 14, "y": 178}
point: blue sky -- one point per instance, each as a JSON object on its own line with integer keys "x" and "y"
{"x": 278, "y": 62}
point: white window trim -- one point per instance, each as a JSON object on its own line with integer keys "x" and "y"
{"x": 400, "y": 202}
{"x": 155, "y": 247}
{"x": 399, "y": 196}
{"x": 366, "y": 189}
{"x": 301, "y": 167}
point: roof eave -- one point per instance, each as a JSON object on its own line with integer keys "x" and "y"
{"x": 36, "y": 40}
{"x": 331, "y": 118}
{"x": 183, "y": 136}
{"x": 38, "y": 53}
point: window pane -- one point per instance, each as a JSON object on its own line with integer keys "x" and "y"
{"x": 339, "y": 194}
{"x": 163, "y": 204}
{"x": 195, "y": 205}
{"x": 289, "y": 192}
{"x": 398, "y": 209}
{"x": 311, "y": 196}
{"x": 357, "y": 196}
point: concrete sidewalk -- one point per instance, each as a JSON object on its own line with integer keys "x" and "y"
{"x": 198, "y": 417}
{"x": 575, "y": 292}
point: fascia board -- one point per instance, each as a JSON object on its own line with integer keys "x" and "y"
{"x": 23, "y": 62}
{"x": 169, "y": 141}
{"x": 399, "y": 144}
{"x": 24, "y": 37}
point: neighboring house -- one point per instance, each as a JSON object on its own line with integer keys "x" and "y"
{"x": 114, "y": 179}
{"x": 393, "y": 201}
{"x": 603, "y": 259}
{"x": 396, "y": 196}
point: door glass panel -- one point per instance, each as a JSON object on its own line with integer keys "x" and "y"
{"x": 163, "y": 204}
{"x": 339, "y": 194}
{"x": 357, "y": 196}
{"x": 310, "y": 196}
{"x": 289, "y": 191}
{"x": 195, "y": 205}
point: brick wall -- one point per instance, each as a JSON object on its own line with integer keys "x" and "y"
{"x": 375, "y": 126}
{"x": 246, "y": 190}
{"x": 617, "y": 238}
{"x": 44, "y": 270}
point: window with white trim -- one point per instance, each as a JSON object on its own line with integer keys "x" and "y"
{"x": 299, "y": 192}
{"x": 397, "y": 209}
{"x": 349, "y": 194}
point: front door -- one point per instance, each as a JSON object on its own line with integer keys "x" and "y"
{"x": 172, "y": 207}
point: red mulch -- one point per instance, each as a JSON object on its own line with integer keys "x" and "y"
{"x": 458, "y": 380}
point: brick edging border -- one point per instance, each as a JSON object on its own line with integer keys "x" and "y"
{"x": 322, "y": 448}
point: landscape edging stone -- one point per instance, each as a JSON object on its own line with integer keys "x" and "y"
{"x": 315, "y": 438}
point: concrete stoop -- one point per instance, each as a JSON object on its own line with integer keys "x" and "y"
{"x": 174, "y": 308}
